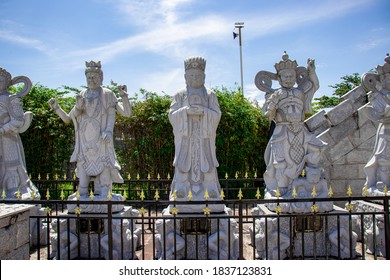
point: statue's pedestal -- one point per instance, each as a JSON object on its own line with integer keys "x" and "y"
{"x": 91, "y": 230}
{"x": 303, "y": 235}
{"x": 196, "y": 236}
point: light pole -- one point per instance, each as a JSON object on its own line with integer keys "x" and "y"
{"x": 240, "y": 25}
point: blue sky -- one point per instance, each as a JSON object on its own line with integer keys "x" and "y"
{"x": 143, "y": 43}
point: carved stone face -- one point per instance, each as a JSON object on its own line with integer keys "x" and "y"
{"x": 195, "y": 78}
{"x": 94, "y": 80}
{"x": 287, "y": 78}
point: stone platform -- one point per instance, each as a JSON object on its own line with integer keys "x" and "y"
{"x": 188, "y": 235}
{"x": 302, "y": 235}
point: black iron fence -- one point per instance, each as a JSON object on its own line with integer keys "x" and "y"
{"x": 158, "y": 229}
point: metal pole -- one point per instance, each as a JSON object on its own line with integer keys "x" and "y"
{"x": 240, "y": 25}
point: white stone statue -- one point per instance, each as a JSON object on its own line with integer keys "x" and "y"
{"x": 124, "y": 241}
{"x": 169, "y": 244}
{"x": 377, "y": 168}
{"x": 63, "y": 240}
{"x": 223, "y": 244}
{"x": 194, "y": 115}
{"x": 312, "y": 185}
{"x": 375, "y": 238}
{"x": 268, "y": 235}
{"x": 93, "y": 117}
{"x": 346, "y": 239}
{"x": 14, "y": 180}
{"x": 291, "y": 146}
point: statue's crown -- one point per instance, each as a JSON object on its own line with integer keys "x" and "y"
{"x": 92, "y": 65}
{"x": 195, "y": 62}
{"x": 385, "y": 69}
{"x": 285, "y": 63}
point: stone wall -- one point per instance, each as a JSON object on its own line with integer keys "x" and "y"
{"x": 350, "y": 137}
{"x": 14, "y": 232}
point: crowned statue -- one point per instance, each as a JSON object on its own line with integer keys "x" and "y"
{"x": 194, "y": 115}
{"x": 14, "y": 180}
{"x": 377, "y": 109}
{"x": 291, "y": 146}
{"x": 93, "y": 118}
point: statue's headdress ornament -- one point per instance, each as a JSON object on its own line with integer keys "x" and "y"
{"x": 93, "y": 66}
{"x": 385, "y": 69}
{"x": 285, "y": 63}
{"x": 195, "y": 62}
{"x": 5, "y": 73}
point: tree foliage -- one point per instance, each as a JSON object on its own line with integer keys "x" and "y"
{"x": 348, "y": 83}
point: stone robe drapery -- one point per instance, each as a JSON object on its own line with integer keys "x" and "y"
{"x": 91, "y": 151}
{"x": 195, "y": 159}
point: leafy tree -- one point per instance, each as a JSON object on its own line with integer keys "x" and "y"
{"x": 348, "y": 83}
{"x": 48, "y": 142}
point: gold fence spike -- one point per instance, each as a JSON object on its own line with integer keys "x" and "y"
{"x": 142, "y": 195}
{"x": 206, "y": 194}
{"x": 142, "y": 211}
{"x": 258, "y": 193}
{"x": 255, "y": 175}
{"x": 246, "y": 175}
{"x": 32, "y": 194}
{"x": 74, "y": 176}
{"x": 330, "y": 193}
{"x": 314, "y": 208}
{"x": 236, "y": 175}
{"x": 62, "y": 195}
{"x": 349, "y": 207}
{"x": 47, "y": 210}
{"x": 128, "y": 176}
{"x": 174, "y": 195}
{"x": 3, "y": 194}
{"x": 138, "y": 177}
{"x": 169, "y": 176}
{"x": 278, "y": 209}
{"x": 56, "y": 177}
{"x": 206, "y": 211}
{"x": 189, "y": 196}
{"x": 158, "y": 176}
{"x": 125, "y": 195}
{"x": 303, "y": 173}
{"x": 77, "y": 210}
{"x": 385, "y": 190}
{"x": 294, "y": 193}
{"x": 47, "y": 194}
{"x": 156, "y": 195}
{"x": 240, "y": 195}
{"x": 226, "y": 176}
{"x": 174, "y": 210}
{"x": 64, "y": 177}
{"x": 314, "y": 192}
{"x": 277, "y": 192}
{"x": 109, "y": 195}
{"x": 349, "y": 191}
{"x": 91, "y": 195}
{"x": 18, "y": 194}
{"x": 77, "y": 195}
{"x": 149, "y": 176}
{"x": 222, "y": 195}
{"x": 47, "y": 176}
{"x": 39, "y": 176}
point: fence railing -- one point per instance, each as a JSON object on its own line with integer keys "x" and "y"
{"x": 147, "y": 232}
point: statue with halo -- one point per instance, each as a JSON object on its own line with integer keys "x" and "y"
{"x": 291, "y": 147}
{"x": 14, "y": 180}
